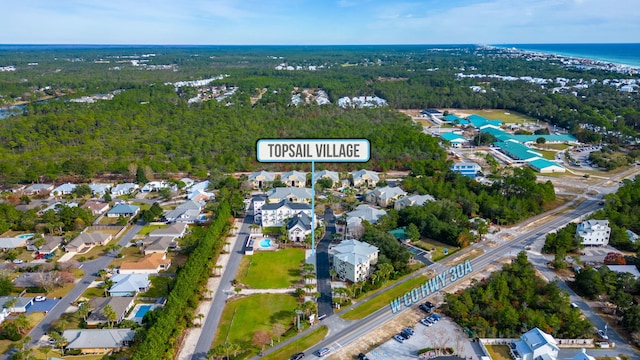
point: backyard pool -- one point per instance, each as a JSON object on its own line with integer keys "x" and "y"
{"x": 142, "y": 309}
{"x": 25, "y": 236}
{"x": 265, "y": 243}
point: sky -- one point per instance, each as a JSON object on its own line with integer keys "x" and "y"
{"x": 319, "y": 22}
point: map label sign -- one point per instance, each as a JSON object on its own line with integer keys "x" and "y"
{"x": 312, "y": 150}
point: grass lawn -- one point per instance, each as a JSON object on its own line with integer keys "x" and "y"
{"x": 159, "y": 287}
{"x": 272, "y": 269}
{"x": 554, "y": 146}
{"x": 382, "y": 300}
{"x": 62, "y": 291}
{"x": 39, "y": 355}
{"x": 506, "y": 116}
{"x": 129, "y": 254}
{"x": 244, "y": 316}
{"x": 499, "y": 352}
{"x": 547, "y": 154}
{"x": 299, "y": 345}
{"x": 149, "y": 228}
{"x": 93, "y": 292}
{"x": 439, "y": 247}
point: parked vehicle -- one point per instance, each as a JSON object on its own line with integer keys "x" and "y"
{"x": 40, "y": 298}
{"x": 425, "y": 308}
{"x": 398, "y": 338}
{"x": 409, "y": 330}
{"x": 322, "y": 352}
{"x": 426, "y": 322}
{"x": 297, "y": 356}
{"x": 362, "y": 356}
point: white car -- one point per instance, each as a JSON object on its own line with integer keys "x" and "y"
{"x": 40, "y": 298}
{"x": 17, "y": 261}
{"x": 603, "y": 335}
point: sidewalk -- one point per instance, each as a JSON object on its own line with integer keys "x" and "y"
{"x": 192, "y": 335}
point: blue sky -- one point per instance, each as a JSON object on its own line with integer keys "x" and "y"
{"x": 318, "y": 22}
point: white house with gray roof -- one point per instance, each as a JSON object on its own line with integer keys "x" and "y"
{"x": 352, "y": 259}
{"x": 363, "y": 212}
{"x": 594, "y": 232}
{"x": 124, "y": 189}
{"x": 535, "y": 344}
{"x": 294, "y": 178}
{"x": 276, "y": 214}
{"x": 64, "y": 189}
{"x": 188, "y": 212}
{"x": 412, "y": 200}
{"x": 327, "y": 174}
{"x": 365, "y": 178}
{"x": 98, "y": 341}
{"x": 384, "y": 196}
{"x": 261, "y": 179}
{"x": 298, "y": 227}
{"x": 99, "y": 189}
{"x": 291, "y": 194}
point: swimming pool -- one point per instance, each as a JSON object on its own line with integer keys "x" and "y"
{"x": 142, "y": 309}
{"x": 265, "y": 243}
{"x": 25, "y": 236}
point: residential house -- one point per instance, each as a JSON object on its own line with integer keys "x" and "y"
{"x": 582, "y": 355}
{"x": 98, "y": 341}
{"x": 201, "y": 186}
{"x": 363, "y": 212}
{"x": 160, "y": 244}
{"x": 629, "y": 269}
{"x": 412, "y": 200}
{"x": 277, "y": 214}
{"x": 352, "y": 260}
{"x": 294, "y": 178}
{"x": 200, "y": 195}
{"x": 87, "y": 240}
{"x": 56, "y": 206}
{"x": 594, "y": 232}
{"x": 365, "y": 178}
{"x": 150, "y": 264}
{"x": 157, "y": 185}
{"x": 97, "y": 207}
{"x": 125, "y": 210}
{"x": 384, "y": 196}
{"x": 99, "y": 189}
{"x": 466, "y": 168}
{"x": 176, "y": 230}
{"x": 633, "y": 237}
{"x": 298, "y": 227}
{"x": 51, "y": 244}
{"x": 129, "y": 284}
{"x": 124, "y": 189}
{"x": 291, "y": 194}
{"x": 21, "y": 304}
{"x": 187, "y": 182}
{"x": 261, "y": 179}
{"x": 38, "y": 189}
{"x": 119, "y": 304}
{"x": 64, "y": 189}
{"x": 326, "y": 174}
{"x": 533, "y": 345}
{"x": 188, "y": 212}
{"x": 14, "y": 241}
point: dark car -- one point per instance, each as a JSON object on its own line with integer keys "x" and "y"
{"x": 297, "y": 356}
{"x": 425, "y": 308}
{"x": 405, "y": 335}
{"x": 362, "y": 356}
{"x": 408, "y": 330}
{"x": 430, "y": 304}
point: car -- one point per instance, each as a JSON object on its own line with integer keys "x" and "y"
{"x": 434, "y": 318}
{"x": 430, "y": 304}
{"x": 49, "y": 256}
{"x": 409, "y": 330}
{"x": 398, "y": 338}
{"x": 297, "y": 356}
{"x": 574, "y": 305}
{"x": 425, "y": 308}
{"x": 39, "y": 256}
{"x": 40, "y": 298}
{"x": 17, "y": 261}
{"x": 603, "y": 335}
{"x": 362, "y": 356}
{"x": 426, "y": 322}
{"x": 405, "y": 335}
{"x": 51, "y": 341}
{"x": 322, "y": 352}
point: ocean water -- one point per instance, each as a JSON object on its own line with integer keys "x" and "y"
{"x": 623, "y": 54}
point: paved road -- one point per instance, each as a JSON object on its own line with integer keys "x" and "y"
{"x": 351, "y": 331}
{"x": 90, "y": 269}
{"x": 220, "y": 298}
{"x": 325, "y": 302}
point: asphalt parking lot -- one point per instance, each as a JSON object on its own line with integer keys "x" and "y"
{"x": 444, "y": 333}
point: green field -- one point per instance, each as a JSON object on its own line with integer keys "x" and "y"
{"x": 271, "y": 269}
{"x": 244, "y": 316}
{"x": 499, "y": 352}
{"x": 369, "y": 307}
{"x": 299, "y": 345}
{"x": 547, "y": 154}
{"x": 504, "y": 115}
{"x": 438, "y": 253}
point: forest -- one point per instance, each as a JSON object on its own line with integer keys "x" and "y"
{"x": 149, "y": 122}
{"x": 513, "y": 301}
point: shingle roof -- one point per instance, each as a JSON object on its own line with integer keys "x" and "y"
{"x": 97, "y": 338}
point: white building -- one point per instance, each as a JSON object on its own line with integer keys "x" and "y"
{"x": 276, "y": 214}
{"x": 365, "y": 178}
{"x": 412, "y": 200}
{"x": 292, "y": 194}
{"x": 294, "y": 178}
{"x": 352, "y": 260}
{"x": 384, "y": 196}
{"x": 594, "y": 232}
{"x": 261, "y": 179}
{"x": 535, "y": 344}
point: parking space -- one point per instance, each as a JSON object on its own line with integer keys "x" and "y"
{"x": 443, "y": 334}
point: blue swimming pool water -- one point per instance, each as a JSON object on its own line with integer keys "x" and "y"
{"x": 25, "y": 236}
{"x": 265, "y": 243}
{"x": 143, "y": 309}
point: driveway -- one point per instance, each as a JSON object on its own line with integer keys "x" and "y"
{"x": 325, "y": 302}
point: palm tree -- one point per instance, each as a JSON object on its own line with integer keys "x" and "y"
{"x": 84, "y": 309}
{"x": 22, "y": 323}
{"x": 333, "y": 273}
{"x": 110, "y": 314}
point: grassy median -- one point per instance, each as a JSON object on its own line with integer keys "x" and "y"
{"x": 299, "y": 345}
